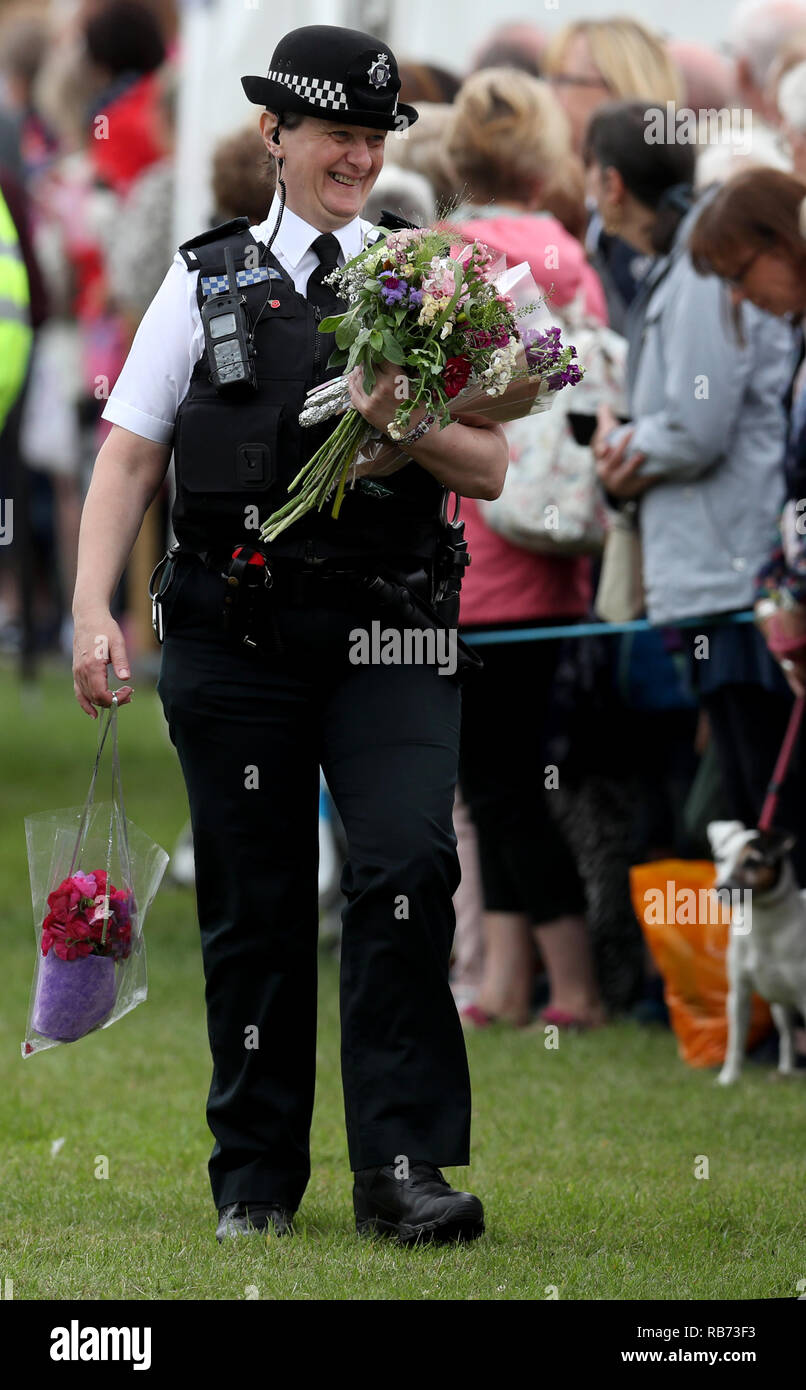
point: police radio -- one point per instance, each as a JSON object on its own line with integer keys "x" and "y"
{"x": 227, "y": 337}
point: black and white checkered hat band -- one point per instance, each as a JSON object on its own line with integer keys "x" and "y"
{"x": 321, "y": 91}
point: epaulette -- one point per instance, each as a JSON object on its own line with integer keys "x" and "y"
{"x": 205, "y": 253}
{"x": 205, "y": 242}
{"x": 394, "y": 223}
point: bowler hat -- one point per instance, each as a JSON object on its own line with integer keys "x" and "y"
{"x": 333, "y": 73}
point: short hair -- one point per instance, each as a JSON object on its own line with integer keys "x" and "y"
{"x": 426, "y": 82}
{"x": 24, "y": 42}
{"x": 124, "y": 37}
{"x": 632, "y": 59}
{"x": 243, "y": 180}
{"x": 508, "y": 130}
{"x": 616, "y": 139}
{"x": 289, "y": 120}
{"x": 757, "y": 210}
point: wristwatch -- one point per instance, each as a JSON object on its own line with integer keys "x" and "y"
{"x": 418, "y": 431}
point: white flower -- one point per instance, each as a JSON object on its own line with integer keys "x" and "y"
{"x": 447, "y": 329}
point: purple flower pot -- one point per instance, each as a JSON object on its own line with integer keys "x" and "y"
{"x": 73, "y": 996}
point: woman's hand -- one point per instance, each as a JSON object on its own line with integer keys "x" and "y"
{"x": 617, "y": 474}
{"x": 97, "y": 641}
{"x": 607, "y": 422}
{"x": 781, "y": 631}
{"x": 388, "y": 393}
{"x": 470, "y": 459}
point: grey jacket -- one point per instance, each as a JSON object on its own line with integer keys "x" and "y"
{"x": 710, "y": 417}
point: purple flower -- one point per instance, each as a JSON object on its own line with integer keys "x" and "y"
{"x": 394, "y": 289}
{"x": 416, "y": 298}
{"x": 569, "y": 376}
{"x": 544, "y": 350}
{"x": 479, "y": 337}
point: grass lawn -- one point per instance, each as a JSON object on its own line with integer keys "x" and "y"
{"x": 584, "y": 1157}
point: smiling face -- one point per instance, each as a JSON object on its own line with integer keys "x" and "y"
{"x": 329, "y": 169}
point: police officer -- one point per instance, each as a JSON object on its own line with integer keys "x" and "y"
{"x": 258, "y": 679}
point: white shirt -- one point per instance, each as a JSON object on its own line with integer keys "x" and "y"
{"x": 155, "y": 377}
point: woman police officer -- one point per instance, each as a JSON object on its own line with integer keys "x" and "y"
{"x": 258, "y": 700}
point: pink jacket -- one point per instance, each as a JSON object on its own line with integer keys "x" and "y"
{"x": 503, "y": 582}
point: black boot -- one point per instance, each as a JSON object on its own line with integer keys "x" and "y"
{"x": 422, "y": 1206}
{"x": 242, "y": 1218}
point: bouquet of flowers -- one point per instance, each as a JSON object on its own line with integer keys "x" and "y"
{"x": 468, "y": 335}
{"x": 89, "y": 921}
{"x": 90, "y": 948}
{"x": 88, "y": 916}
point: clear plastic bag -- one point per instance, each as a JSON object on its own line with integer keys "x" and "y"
{"x": 93, "y": 876}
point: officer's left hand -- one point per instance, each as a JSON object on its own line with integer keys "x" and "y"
{"x": 388, "y": 393}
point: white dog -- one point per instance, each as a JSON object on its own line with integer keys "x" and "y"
{"x": 767, "y": 950}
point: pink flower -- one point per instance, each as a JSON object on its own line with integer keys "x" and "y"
{"x": 441, "y": 282}
{"x": 466, "y": 254}
{"x": 86, "y": 885}
{"x": 397, "y": 243}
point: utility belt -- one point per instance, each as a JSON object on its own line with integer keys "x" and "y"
{"x": 254, "y": 583}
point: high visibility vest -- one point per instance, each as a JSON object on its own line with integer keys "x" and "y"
{"x": 15, "y": 318}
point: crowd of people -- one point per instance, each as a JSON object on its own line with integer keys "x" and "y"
{"x": 579, "y": 756}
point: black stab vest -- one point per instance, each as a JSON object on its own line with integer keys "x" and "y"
{"x": 222, "y": 483}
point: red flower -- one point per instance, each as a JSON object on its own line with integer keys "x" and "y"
{"x": 74, "y": 927}
{"x": 73, "y": 950}
{"x": 454, "y": 378}
{"x": 63, "y": 899}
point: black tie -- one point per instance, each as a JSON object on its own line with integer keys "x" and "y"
{"x": 324, "y": 296}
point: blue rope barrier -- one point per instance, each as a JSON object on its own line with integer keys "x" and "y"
{"x": 543, "y": 634}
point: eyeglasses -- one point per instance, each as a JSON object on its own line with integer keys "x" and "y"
{"x": 571, "y": 79}
{"x": 736, "y": 281}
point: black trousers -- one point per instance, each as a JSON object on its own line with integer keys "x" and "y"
{"x": 251, "y": 731}
{"x": 525, "y": 862}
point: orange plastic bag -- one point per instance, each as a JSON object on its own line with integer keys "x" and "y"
{"x": 684, "y": 928}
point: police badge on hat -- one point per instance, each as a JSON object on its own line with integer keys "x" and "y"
{"x": 380, "y": 72}
{"x": 335, "y": 74}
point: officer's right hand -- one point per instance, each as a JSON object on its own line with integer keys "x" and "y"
{"x": 97, "y": 641}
